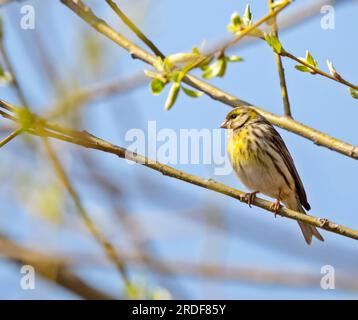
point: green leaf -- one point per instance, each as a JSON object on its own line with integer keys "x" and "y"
{"x": 353, "y": 92}
{"x": 310, "y": 60}
{"x": 172, "y": 96}
{"x": 157, "y": 86}
{"x": 303, "y": 68}
{"x": 233, "y": 58}
{"x": 215, "y": 70}
{"x": 192, "y": 93}
{"x": 273, "y": 42}
{"x": 236, "y": 20}
{"x": 235, "y": 23}
{"x": 231, "y": 28}
{"x": 247, "y": 17}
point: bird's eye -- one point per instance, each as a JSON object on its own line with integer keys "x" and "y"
{"x": 234, "y": 116}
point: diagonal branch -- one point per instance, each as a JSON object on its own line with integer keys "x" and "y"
{"x": 134, "y": 28}
{"x": 43, "y": 264}
{"x": 107, "y": 247}
{"x": 87, "y": 140}
{"x": 11, "y": 136}
{"x": 291, "y": 125}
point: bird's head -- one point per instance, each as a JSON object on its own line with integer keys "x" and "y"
{"x": 240, "y": 117}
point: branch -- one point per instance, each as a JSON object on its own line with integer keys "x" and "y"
{"x": 134, "y": 28}
{"x": 104, "y": 243}
{"x": 42, "y": 128}
{"x": 316, "y": 136}
{"x": 318, "y": 71}
{"x": 83, "y": 96}
{"x": 249, "y": 29}
{"x": 43, "y": 264}
{"x": 11, "y": 136}
{"x": 281, "y": 72}
{"x": 87, "y": 95}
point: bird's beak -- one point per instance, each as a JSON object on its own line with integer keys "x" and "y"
{"x": 224, "y": 125}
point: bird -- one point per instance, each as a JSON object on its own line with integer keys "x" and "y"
{"x": 264, "y": 165}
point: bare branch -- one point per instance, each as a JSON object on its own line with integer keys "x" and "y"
{"x": 43, "y": 264}
{"x": 134, "y": 28}
{"x": 281, "y": 72}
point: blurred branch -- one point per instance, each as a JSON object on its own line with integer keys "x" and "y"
{"x": 284, "y": 122}
{"x": 281, "y": 72}
{"x": 134, "y": 229}
{"x": 25, "y": 117}
{"x": 3, "y": 2}
{"x": 207, "y": 270}
{"x": 43, "y": 264}
{"x": 107, "y": 247}
{"x": 43, "y": 128}
{"x": 81, "y": 97}
{"x": 11, "y": 136}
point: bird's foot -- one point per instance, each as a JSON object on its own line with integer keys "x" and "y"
{"x": 275, "y": 207}
{"x": 250, "y": 197}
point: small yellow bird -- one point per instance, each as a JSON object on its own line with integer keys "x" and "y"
{"x": 263, "y": 163}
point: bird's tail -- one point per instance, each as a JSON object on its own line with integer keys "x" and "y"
{"x": 307, "y": 230}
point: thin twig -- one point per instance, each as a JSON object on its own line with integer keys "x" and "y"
{"x": 281, "y": 72}
{"x": 256, "y": 24}
{"x": 286, "y": 123}
{"x": 134, "y": 28}
{"x": 318, "y": 71}
{"x": 11, "y": 136}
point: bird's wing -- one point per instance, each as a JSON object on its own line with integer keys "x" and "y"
{"x": 280, "y": 144}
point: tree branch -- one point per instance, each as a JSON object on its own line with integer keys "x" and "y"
{"x": 134, "y": 28}
{"x": 11, "y": 136}
{"x": 42, "y": 128}
{"x": 249, "y": 29}
{"x": 107, "y": 247}
{"x": 281, "y": 72}
{"x": 316, "y": 136}
{"x": 43, "y": 263}
{"x": 318, "y": 71}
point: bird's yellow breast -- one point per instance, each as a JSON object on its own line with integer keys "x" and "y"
{"x": 238, "y": 146}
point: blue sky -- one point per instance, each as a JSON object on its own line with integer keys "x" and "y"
{"x": 250, "y": 237}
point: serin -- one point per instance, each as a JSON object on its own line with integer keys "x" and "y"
{"x": 264, "y": 165}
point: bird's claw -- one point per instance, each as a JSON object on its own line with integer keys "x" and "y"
{"x": 275, "y": 207}
{"x": 250, "y": 197}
